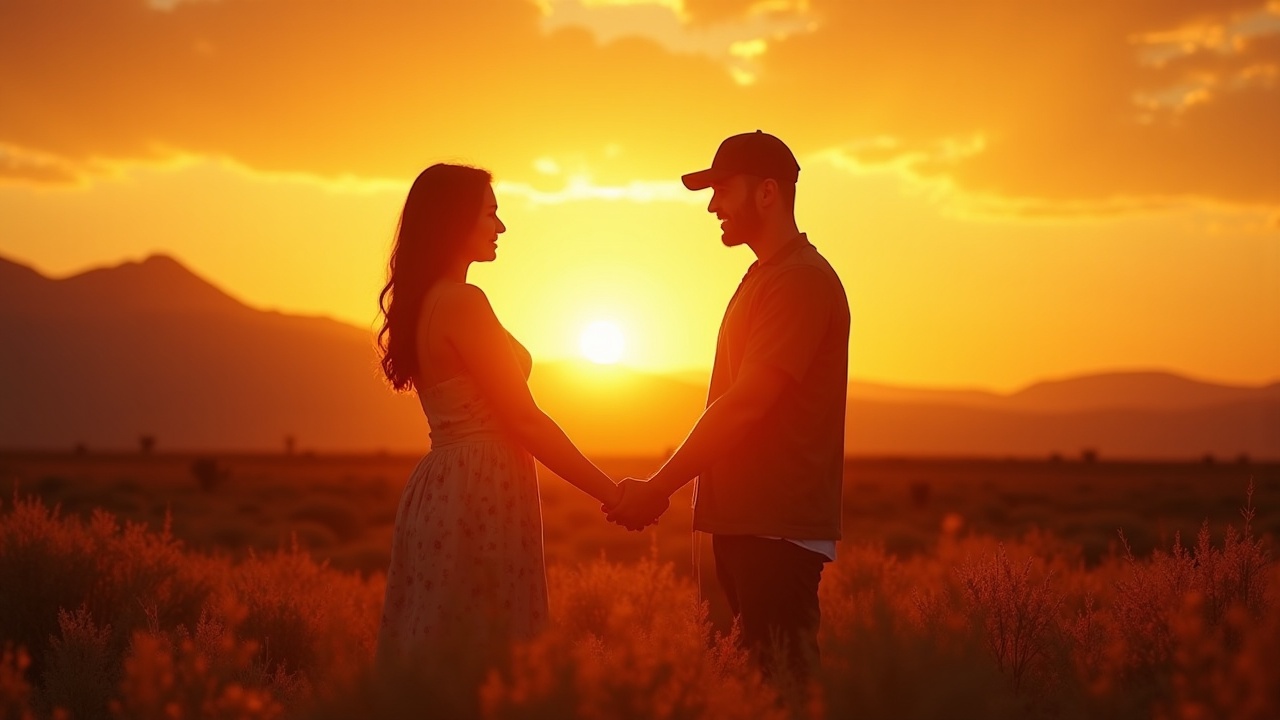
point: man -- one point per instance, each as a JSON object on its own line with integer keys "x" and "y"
{"x": 769, "y": 448}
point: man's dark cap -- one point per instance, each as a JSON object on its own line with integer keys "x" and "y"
{"x": 758, "y": 153}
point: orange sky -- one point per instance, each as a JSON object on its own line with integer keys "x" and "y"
{"x": 1011, "y": 191}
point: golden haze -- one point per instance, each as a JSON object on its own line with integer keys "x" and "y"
{"x": 1061, "y": 192}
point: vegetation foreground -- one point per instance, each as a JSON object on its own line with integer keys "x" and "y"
{"x": 103, "y": 619}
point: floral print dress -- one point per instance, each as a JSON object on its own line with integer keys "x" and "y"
{"x": 466, "y": 557}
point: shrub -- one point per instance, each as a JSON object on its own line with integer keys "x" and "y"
{"x": 98, "y": 618}
{"x": 163, "y": 679}
{"x": 78, "y": 594}
{"x": 1018, "y": 614}
{"x": 894, "y": 643}
{"x": 209, "y": 474}
{"x": 48, "y": 563}
{"x": 1148, "y": 602}
{"x": 81, "y": 673}
{"x": 15, "y": 691}
{"x": 1223, "y": 670}
{"x": 628, "y": 642}
{"x": 311, "y": 622}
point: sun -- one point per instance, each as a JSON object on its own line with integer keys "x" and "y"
{"x": 602, "y": 342}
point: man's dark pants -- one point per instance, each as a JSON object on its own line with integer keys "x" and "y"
{"x": 772, "y": 589}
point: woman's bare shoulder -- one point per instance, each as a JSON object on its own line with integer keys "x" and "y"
{"x": 465, "y": 298}
{"x": 463, "y": 305}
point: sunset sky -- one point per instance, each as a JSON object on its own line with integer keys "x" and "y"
{"x": 1010, "y": 190}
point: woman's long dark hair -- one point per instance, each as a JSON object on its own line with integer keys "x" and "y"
{"x": 444, "y": 204}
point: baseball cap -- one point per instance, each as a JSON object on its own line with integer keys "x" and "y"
{"x": 757, "y": 153}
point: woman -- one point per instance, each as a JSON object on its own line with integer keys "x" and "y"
{"x": 466, "y": 559}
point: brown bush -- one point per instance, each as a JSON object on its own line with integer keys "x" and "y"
{"x": 102, "y": 618}
{"x": 15, "y": 691}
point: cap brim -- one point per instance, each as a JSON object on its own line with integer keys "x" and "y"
{"x": 702, "y": 179}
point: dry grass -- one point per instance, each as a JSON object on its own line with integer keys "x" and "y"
{"x": 104, "y": 618}
{"x": 342, "y": 508}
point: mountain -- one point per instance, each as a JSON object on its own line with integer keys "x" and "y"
{"x": 157, "y": 285}
{"x": 1224, "y": 431}
{"x": 1136, "y": 391}
{"x": 16, "y": 278}
{"x": 150, "y": 348}
{"x": 1133, "y": 390}
{"x": 1139, "y": 414}
{"x": 861, "y": 391}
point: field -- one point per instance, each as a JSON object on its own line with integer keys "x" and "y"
{"x": 342, "y": 508}
{"x": 935, "y": 552}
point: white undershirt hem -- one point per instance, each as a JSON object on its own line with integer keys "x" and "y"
{"x": 825, "y": 548}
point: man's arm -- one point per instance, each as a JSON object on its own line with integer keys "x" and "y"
{"x": 721, "y": 427}
{"x": 787, "y": 331}
{"x": 723, "y": 424}
{"x": 792, "y": 321}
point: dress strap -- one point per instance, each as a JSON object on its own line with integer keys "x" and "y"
{"x": 434, "y": 302}
{"x": 430, "y": 314}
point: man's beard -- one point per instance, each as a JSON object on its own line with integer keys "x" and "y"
{"x": 744, "y": 227}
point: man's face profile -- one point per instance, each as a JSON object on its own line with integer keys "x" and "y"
{"x": 733, "y": 201}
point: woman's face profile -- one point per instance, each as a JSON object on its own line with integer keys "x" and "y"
{"x": 481, "y": 244}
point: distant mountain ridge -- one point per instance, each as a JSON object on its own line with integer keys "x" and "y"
{"x": 149, "y": 347}
{"x": 1130, "y": 390}
{"x": 158, "y": 284}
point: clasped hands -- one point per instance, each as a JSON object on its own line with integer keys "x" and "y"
{"x": 641, "y": 504}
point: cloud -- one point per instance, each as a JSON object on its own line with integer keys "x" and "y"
{"x": 1052, "y": 89}
{"x": 734, "y": 42}
{"x": 377, "y": 88}
{"x": 1061, "y": 105}
{"x": 21, "y": 166}
{"x": 583, "y": 188}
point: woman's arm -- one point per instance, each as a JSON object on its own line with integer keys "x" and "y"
{"x": 482, "y": 344}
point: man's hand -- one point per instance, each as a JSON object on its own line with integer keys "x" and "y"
{"x": 641, "y": 505}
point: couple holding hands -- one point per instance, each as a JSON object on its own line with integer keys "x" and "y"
{"x": 768, "y": 451}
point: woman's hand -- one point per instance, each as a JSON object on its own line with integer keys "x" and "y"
{"x": 614, "y": 500}
{"x": 640, "y": 504}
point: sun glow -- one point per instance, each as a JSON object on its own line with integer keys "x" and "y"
{"x": 602, "y": 342}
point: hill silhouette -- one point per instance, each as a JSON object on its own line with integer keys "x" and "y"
{"x": 1132, "y": 390}
{"x": 149, "y": 347}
